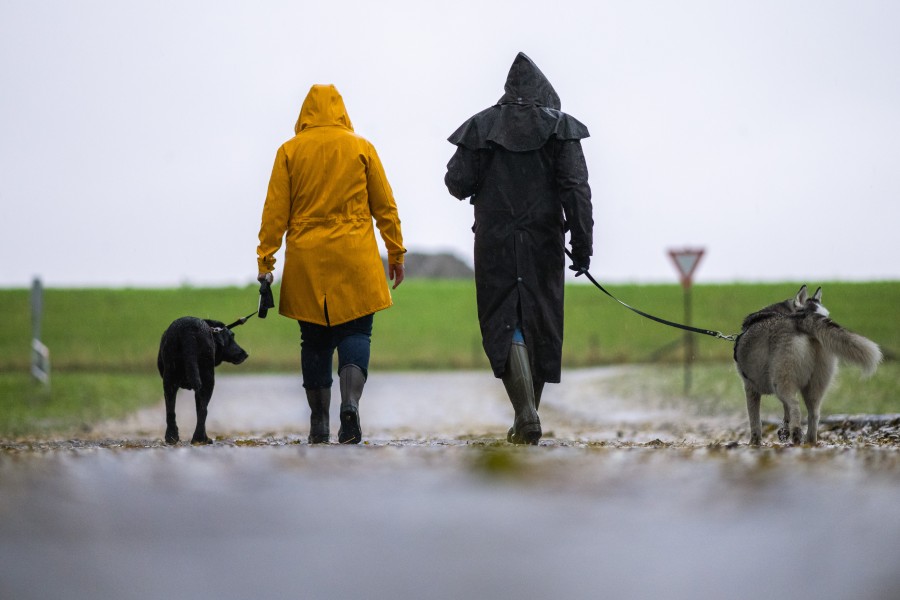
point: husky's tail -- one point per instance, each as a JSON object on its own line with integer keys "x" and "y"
{"x": 847, "y": 345}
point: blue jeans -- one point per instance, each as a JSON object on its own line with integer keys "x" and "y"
{"x": 352, "y": 340}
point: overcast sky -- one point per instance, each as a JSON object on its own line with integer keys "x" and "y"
{"x": 137, "y": 137}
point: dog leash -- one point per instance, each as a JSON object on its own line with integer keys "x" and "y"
{"x": 716, "y": 334}
{"x": 240, "y": 321}
{"x": 266, "y": 301}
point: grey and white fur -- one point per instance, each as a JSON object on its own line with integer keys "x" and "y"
{"x": 792, "y": 348}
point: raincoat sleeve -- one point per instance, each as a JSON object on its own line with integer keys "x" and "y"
{"x": 276, "y": 213}
{"x": 384, "y": 209}
{"x": 575, "y": 195}
{"x": 462, "y": 173}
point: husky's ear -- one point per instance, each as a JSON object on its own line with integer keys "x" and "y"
{"x": 800, "y": 298}
{"x": 818, "y": 295}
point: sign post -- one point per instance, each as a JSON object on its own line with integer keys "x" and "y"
{"x": 40, "y": 354}
{"x": 686, "y": 261}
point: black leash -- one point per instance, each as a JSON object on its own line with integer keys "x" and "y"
{"x": 240, "y": 321}
{"x": 266, "y": 301}
{"x": 716, "y": 334}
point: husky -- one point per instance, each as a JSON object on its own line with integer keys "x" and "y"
{"x": 793, "y": 347}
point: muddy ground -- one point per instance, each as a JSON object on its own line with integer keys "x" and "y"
{"x": 619, "y": 500}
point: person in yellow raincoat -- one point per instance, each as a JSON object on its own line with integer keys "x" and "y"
{"x": 326, "y": 187}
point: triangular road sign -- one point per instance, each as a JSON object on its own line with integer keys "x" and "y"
{"x": 686, "y": 261}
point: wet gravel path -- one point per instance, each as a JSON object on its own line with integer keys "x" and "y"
{"x": 618, "y": 501}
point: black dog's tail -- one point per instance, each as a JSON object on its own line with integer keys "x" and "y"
{"x": 191, "y": 367}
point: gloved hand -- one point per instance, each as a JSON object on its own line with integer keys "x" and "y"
{"x": 580, "y": 264}
{"x": 265, "y": 277}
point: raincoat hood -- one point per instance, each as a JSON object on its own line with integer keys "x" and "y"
{"x": 526, "y": 84}
{"x": 526, "y": 116}
{"x": 323, "y": 107}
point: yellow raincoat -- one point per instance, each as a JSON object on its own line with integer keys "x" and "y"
{"x": 326, "y": 186}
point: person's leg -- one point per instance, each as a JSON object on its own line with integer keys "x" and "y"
{"x": 316, "y": 356}
{"x": 353, "y": 341}
{"x": 519, "y": 386}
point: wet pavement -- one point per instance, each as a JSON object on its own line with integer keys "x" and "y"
{"x": 619, "y": 501}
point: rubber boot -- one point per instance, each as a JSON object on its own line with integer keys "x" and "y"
{"x": 319, "y": 405}
{"x": 538, "y": 390}
{"x": 519, "y": 386}
{"x": 352, "y": 382}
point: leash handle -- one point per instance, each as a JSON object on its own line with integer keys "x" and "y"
{"x": 266, "y": 301}
{"x": 716, "y": 334}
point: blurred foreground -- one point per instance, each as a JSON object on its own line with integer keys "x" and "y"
{"x": 620, "y": 501}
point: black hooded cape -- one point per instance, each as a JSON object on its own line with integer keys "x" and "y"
{"x": 521, "y": 165}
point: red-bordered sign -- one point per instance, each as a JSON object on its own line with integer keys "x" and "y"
{"x": 686, "y": 261}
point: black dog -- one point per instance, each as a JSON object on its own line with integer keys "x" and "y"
{"x": 189, "y": 351}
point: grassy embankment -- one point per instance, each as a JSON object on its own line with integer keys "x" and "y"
{"x": 103, "y": 342}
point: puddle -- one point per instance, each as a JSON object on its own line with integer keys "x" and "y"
{"x": 436, "y": 505}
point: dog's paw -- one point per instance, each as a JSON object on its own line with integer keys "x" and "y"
{"x": 755, "y": 439}
{"x": 172, "y": 436}
{"x": 783, "y": 434}
{"x": 201, "y": 441}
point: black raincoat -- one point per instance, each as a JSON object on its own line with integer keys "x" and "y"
{"x": 520, "y": 163}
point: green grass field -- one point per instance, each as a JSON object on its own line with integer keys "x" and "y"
{"x": 103, "y": 342}
{"x": 716, "y": 389}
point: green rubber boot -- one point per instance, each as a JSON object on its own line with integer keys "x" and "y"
{"x": 519, "y": 386}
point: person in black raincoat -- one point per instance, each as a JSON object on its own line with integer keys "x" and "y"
{"x": 521, "y": 165}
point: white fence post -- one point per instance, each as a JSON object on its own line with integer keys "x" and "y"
{"x": 40, "y": 354}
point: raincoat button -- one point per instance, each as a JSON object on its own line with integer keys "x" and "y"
{"x": 519, "y": 279}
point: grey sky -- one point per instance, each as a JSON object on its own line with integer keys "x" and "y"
{"x": 137, "y": 138}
